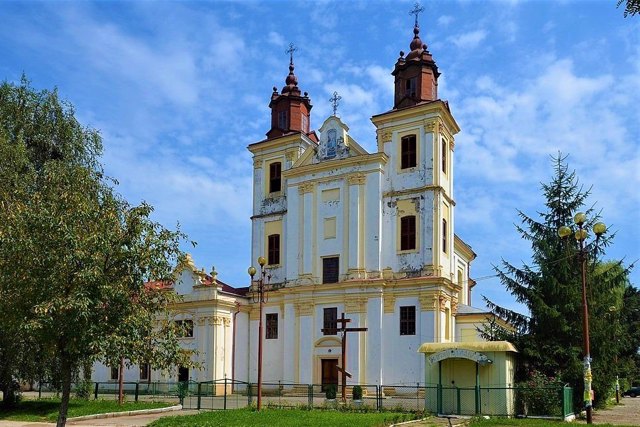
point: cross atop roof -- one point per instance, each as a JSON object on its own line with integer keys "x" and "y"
{"x": 290, "y": 51}
{"x": 416, "y": 10}
{"x": 335, "y": 101}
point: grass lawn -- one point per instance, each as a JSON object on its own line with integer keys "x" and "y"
{"x": 284, "y": 418}
{"x": 47, "y": 409}
{"x": 528, "y": 422}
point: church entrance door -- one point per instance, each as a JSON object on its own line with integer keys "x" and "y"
{"x": 329, "y": 372}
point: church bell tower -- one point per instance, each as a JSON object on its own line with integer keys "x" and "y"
{"x": 416, "y": 75}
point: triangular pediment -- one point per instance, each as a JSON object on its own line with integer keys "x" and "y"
{"x": 335, "y": 143}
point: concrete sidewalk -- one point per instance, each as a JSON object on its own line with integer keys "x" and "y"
{"x": 126, "y": 421}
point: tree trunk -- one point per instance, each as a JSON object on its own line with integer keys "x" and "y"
{"x": 121, "y": 382}
{"x": 65, "y": 367}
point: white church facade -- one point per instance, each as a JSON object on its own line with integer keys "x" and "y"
{"x": 344, "y": 231}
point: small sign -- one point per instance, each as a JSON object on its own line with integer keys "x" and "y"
{"x": 459, "y": 353}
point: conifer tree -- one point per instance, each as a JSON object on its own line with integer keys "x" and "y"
{"x": 549, "y": 337}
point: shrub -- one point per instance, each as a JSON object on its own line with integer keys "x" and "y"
{"x": 331, "y": 391}
{"x": 357, "y": 392}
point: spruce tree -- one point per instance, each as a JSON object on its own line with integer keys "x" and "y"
{"x": 549, "y": 337}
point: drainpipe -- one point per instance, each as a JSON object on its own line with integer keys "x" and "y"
{"x": 233, "y": 348}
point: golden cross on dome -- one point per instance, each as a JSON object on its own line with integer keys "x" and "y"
{"x": 335, "y": 100}
{"x": 416, "y": 10}
{"x": 290, "y": 51}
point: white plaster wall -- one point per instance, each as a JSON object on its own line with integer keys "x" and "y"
{"x": 406, "y": 365}
{"x": 242, "y": 347}
{"x": 272, "y": 350}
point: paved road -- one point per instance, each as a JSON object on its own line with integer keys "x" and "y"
{"x": 627, "y": 413}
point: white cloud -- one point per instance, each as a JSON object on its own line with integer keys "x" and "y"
{"x": 468, "y": 40}
{"x": 275, "y": 38}
{"x": 445, "y": 20}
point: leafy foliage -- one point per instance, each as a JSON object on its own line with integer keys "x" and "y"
{"x": 74, "y": 255}
{"x": 549, "y": 338}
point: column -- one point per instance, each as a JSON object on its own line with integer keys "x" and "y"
{"x": 305, "y": 361}
{"x": 288, "y": 344}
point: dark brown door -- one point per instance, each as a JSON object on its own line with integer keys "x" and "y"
{"x": 329, "y": 372}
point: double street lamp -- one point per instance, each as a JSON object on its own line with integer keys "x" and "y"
{"x": 258, "y": 294}
{"x": 581, "y": 235}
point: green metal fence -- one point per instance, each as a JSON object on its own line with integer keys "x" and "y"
{"x": 228, "y": 394}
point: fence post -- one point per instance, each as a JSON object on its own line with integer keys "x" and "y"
{"x": 199, "y": 395}
{"x": 477, "y": 399}
{"x": 378, "y": 397}
{"x": 249, "y": 394}
{"x": 225, "y": 392}
{"x": 439, "y": 406}
{"x": 137, "y": 391}
{"x": 310, "y": 395}
{"x": 95, "y": 392}
{"x": 458, "y": 399}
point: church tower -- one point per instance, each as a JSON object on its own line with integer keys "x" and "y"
{"x": 416, "y": 75}
{"x": 290, "y": 109}
{"x": 418, "y": 136}
{"x": 288, "y": 138}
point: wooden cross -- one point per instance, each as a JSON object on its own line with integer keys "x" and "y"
{"x": 335, "y": 100}
{"x": 416, "y": 10}
{"x": 290, "y": 51}
{"x": 343, "y": 329}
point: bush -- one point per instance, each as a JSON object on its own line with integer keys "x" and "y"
{"x": 357, "y": 392}
{"x": 331, "y": 391}
{"x": 540, "y": 395}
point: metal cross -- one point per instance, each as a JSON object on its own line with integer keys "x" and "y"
{"x": 290, "y": 51}
{"x": 416, "y": 10}
{"x": 335, "y": 100}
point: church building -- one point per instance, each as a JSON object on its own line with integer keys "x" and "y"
{"x": 346, "y": 232}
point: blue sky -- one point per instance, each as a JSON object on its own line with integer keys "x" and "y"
{"x": 179, "y": 89}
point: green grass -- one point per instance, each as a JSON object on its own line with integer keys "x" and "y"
{"x": 284, "y": 418}
{"x": 528, "y": 422}
{"x": 47, "y": 409}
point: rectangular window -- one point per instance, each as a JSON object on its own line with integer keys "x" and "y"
{"x": 282, "y": 120}
{"x": 114, "y": 372}
{"x": 275, "y": 177}
{"x": 145, "y": 370}
{"x": 444, "y": 235}
{"x": 330, "y": 269}
{"x": 408, "y": 320}
{"x": 444, "y": 156}
{"x": 410, "y": 87}
{"x": 273, "y": 255}
{"x": 408, "y": 152}
{"x": 185, "y": 328}
{"x": 271, "y": 332}
{"x": 408, "y": 233}
{"x": 330, "y": 320}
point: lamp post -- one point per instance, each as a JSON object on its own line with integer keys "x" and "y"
{"x": 581, "y": 235}
{"x": 259, "y": 296}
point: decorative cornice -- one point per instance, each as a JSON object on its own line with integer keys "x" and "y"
{"x": 257, "y": 163}
{"x": 306, "y": 187}
{"x": 356, "y": 179}
{"x": 304, "y": 309}
{"x": 355, "y": 305}
{"x": 389, "y": 303}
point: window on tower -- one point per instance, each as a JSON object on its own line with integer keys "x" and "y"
{"x": 408, "y": 233}
{"x": 408, "y": 152}
{"x": 272, "y": 326}
{"x": 408, "y": 320}
{"x": 273, "y": 246}
{"x": 330, "y": 269}
{"x": 410, "y": 87}
{"x": 283, "y": 123}
{"x": 444, "y": 235}
{"x": 275, "y": 177}
{"x": 444, "y": 156}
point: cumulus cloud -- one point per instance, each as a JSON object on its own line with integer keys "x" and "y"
{"x": 468, "y": 40}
